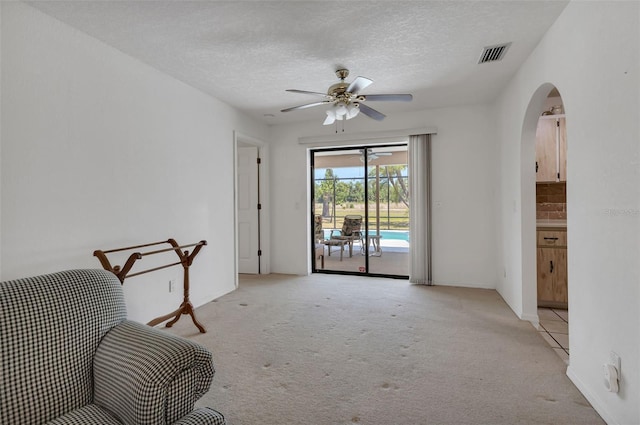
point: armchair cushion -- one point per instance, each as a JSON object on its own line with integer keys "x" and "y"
{"x": 89, "y": 414}
{"x": 202, "y": 416}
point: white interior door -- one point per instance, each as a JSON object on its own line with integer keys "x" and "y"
{"x": 248, "y": 213}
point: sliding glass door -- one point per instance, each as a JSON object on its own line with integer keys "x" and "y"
{"x": 360, "y": 205}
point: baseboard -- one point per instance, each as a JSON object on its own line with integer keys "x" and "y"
{"x": 593, "y": 400}
{"x": 532, "y": 318}
{"x": 465, "y": 285}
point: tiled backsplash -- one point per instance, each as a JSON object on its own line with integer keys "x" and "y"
{"x": 551, "y": 201}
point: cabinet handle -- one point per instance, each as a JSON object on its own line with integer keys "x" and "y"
{"x": 550, "y": 266}
{"x": 550, "y": 239}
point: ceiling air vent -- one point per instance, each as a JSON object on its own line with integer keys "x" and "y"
{"x": 494, "y": 53}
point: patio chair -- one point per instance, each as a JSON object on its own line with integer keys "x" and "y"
{"x": 319, "y": 239}
{"x": 318, "y": 232}
{"x": 350, "y": 232}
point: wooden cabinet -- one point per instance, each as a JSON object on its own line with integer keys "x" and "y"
{"x": 552, "y": 267}
{"x": 551, "y": 149}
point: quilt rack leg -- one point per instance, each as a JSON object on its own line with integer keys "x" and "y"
{"x": 186, "y": 307}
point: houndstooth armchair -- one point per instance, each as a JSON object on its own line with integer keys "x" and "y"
{"x": 69, "y": 356}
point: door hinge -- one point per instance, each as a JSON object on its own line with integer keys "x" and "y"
{"x": 557, "y": 123}
{"x": 258, "y": 160}
{"x": 259, "y": 252}
{"x": 536, "y": 166}
{"x": 558, "y": 176}
{"x": 259, "y": 206}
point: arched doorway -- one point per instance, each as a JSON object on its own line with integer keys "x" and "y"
{"x": 544, "y": 209}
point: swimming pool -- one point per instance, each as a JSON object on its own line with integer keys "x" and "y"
{"x": 394, "y": 235}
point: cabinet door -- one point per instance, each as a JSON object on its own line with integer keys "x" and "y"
{"x": 562, "y": 146}
{"x": 545, "y": 275}
{"x": 560, "y": 293}
{"x": 546, "y": 150}
{"x": 552, "y": 277}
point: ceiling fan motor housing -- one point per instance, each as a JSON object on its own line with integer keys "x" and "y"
{"x": 338, "y": 89}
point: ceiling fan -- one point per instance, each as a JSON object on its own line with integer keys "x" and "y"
{"x": 371, "y": 155}
{"x": 345, "y": 100}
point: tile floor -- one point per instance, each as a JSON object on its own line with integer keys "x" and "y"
{"x": 554, "y": 328}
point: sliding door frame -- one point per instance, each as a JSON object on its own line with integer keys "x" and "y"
{"x": 365, "y": 149}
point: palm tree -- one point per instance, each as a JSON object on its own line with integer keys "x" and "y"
{"x": 396, "y": 181}
{"x": 325, "y": 191}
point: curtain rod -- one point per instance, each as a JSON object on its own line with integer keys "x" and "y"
{"x": 370, "y": 135}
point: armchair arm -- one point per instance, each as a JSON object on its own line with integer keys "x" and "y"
{"x": 145, "y": 376}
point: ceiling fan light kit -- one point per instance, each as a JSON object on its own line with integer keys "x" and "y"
{"x": 345, "y": 99}
{"x": 342, "y": 111}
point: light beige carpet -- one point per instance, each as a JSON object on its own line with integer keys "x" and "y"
{"x": 327, "y": 349}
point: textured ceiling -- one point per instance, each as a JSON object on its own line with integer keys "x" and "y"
{"x": 246, "y": 53}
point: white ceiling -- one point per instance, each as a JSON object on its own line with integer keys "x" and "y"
{"x": 246, "y": 53}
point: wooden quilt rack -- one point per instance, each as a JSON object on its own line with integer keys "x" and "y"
{"x": 186, "y": 260}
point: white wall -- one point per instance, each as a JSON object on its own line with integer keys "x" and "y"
{"x": 101, "y": 151}
{"x": 0, "y": 139}
{"x": 591, "y": 54}
{"x": 465, "y": 164}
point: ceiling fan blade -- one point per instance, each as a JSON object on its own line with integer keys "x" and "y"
{"x": 388, "y": 97}
{"x": 375, "y": 155}
{"x": 315, "y": 93}
{"x": 371, "y": 113}
{"x": 308, "y": 105}
{"x": 360, "y": 83}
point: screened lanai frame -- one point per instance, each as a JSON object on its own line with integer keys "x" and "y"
{"x": 399, "y": 148}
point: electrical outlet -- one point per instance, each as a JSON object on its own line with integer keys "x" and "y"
{"x": 172, "y": 285}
